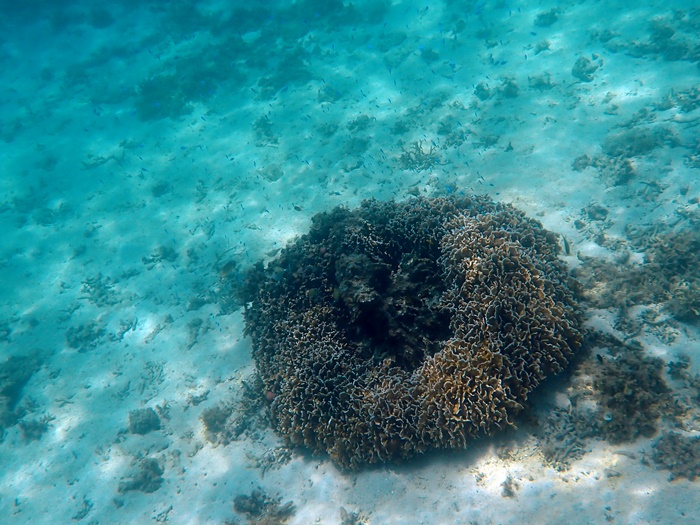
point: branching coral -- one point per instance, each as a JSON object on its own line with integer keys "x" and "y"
{"x": 397, "y": 328}
{"x": 418, "y": 158}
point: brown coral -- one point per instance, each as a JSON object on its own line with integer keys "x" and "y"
{"x": 402, "y": 327}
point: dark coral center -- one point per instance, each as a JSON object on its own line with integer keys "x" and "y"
{"x": 393, "y": 310}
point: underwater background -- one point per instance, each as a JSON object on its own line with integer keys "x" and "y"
{"x": 152, "y": 152}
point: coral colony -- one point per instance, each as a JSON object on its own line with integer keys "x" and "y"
{"x": 397, "y": 328}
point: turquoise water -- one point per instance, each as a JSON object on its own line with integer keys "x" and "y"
{"x": 151, "y": 152}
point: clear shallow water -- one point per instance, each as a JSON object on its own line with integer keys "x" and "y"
{"x": 143, "y": 147}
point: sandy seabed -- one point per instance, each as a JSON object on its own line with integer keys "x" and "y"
{"x": 146, "y": 146}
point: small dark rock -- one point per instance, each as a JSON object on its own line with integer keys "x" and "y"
{"x": 583, "y": 69}
{"x": 547, "y": 18}
{"x": 143, "y": 421}
{"x": 148, "y": 479}
{"x": 596, "y": 212}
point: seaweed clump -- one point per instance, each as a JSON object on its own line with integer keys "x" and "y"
{"x": 261, "y": 509}
{"x": 15, "y": 373}
{"x": 678, "y": 453}
{"x": 632, "y": 395}
{"x": 669, "y": 275}
{"x": 34, "y": 429}
{"x": 617, "y": 393}
{"x": 397, "y": 328}
{"x": 620, "y": 149}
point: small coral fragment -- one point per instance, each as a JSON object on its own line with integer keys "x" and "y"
{"x": 147, "y": 479}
